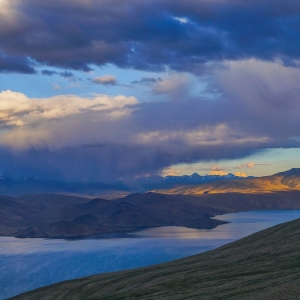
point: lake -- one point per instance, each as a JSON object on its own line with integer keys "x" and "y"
{"x": 26, "y": 264}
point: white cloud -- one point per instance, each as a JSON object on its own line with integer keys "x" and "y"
{"x": 30, "y": 121}
{"x": 17, "y": 106}
{"x": 105, "y": 80}
{"x": 249, "y": 165}
{"x": 181, "y": 20}
{"x": 215, "y": 170}
{"x": 175, "y": 84}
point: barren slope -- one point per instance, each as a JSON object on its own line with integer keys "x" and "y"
{"x": 285, "y": 181}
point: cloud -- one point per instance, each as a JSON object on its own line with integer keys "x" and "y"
{"x": 170, "y": 171}
{"x": 105, "y": 80}
{"x": 176, "y": 85}
{"x": 239, "y": 174}
{"x": 147, "y": 81}
{"x": 256, "y": 107}
{"x": 218, "y": 173}
{"x": 16, "y": 64}
{"x": 215, "y": 170}
{"x": 250, "y": 165}
{"x": 29, "y": 122}
{"x": 64, "y": 74}
{"x": 181, "y": 20}
{"x": 246, "y": 165}
{"x": 147, "y": 35}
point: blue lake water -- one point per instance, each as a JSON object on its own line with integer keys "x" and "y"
{"x": 26, "y": 264}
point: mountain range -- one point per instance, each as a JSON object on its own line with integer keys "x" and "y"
{"x": 283, "y": 181}
{"x": 186, "y": 184}
{"x": 26, "y": 185}
{"x": 189, "y": 205}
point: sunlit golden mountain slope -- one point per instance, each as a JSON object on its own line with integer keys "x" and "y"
{"x": 285, "y": 181}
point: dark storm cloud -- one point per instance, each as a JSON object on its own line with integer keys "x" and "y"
{"x": 151, "y": 34}
{"x": 15, "y": 64}
{"x": 64, "y": 74}
{"x": 147, "y": 80}
{"x": 104, "y": 163}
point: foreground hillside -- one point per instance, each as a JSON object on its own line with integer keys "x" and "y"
{"x": 284, "y": 181}
{"x": 264, "y": 265}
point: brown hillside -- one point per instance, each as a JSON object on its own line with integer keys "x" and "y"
{"x": 285, "y": 181}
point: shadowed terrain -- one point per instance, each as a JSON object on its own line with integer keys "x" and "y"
{"x": 265, "y": 265}
{"x": 61, "y": 216}
{"x": 58, "y": 216}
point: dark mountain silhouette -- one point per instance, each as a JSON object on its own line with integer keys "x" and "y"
{"x": 65, "y": 216}
{"x": 58, "y": 216}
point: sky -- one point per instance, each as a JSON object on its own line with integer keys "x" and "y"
{"x": 102, "y": 90}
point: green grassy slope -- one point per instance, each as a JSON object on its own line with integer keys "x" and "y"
{"x": 265, "y": 265}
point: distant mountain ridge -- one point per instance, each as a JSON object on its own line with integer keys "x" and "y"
{"x": 283, "y": 181}
{"x": 158, "y": 182}
{"x": 27, "y": 185}
{"x": 185, "y": 184}
{"x": 196, "y": 178}
{"x": 291, "y": 178}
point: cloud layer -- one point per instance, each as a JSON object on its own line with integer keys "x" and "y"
{"x": 147, "y": 35}
{"x": 245, "y": 55}
{"x": 256, "y": 106}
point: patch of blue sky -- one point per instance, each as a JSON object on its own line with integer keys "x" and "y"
{"x": 265, "y": 162}
{"x": 43, "y": 86}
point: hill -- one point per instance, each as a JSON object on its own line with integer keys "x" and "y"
{"x": 263, "y": 266}
{"x": 59, "y": 216}
{"x": 284, "y": 181}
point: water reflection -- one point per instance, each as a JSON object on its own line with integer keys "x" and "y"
{"x": 241, "y": 224}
